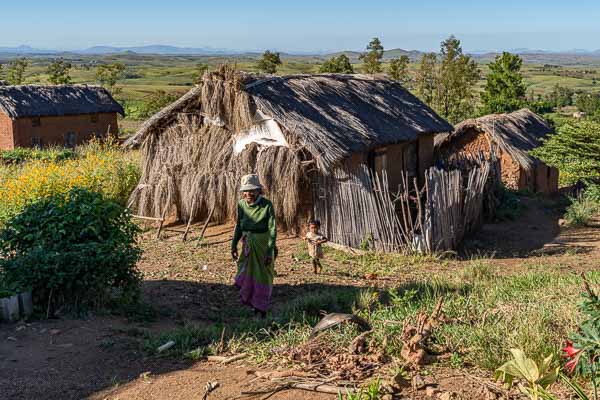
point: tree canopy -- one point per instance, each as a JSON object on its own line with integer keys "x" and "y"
{"x": 574, "y": 150}
{"x": 426, "y": 79}
{"x": 399, "y": 69}
{"x": 458, "y": 75}
{"x": 447, "y": 83}
{"x": 504, "y": 89}
{"x": 58, "y": 72}
{"x": 337, "y": 65}
{"x": 372, "y": 58}
{"x": 109, "y": 74}
{"x": 269, "y": 62}
{"x": 15, "y": 73}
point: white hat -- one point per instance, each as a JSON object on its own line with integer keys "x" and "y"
{"x": 250, "y": 182}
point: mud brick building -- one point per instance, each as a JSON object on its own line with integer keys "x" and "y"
{"x": 61, "y": 115}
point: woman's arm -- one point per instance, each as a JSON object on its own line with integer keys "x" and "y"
{"x": 272, "y": 230}
{"x": 237, "y": 233}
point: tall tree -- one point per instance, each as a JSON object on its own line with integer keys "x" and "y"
{"x": 504, "y": 89}
{"x": 269, "y": 62}
{"x": 16, "y": 71}
{"x": 458, "y": 74}
{"x": 372, "y": 58}
{"x": 399, "y": 69}
{"x": 426, "y": 78}
{"x": 337, "y": 65}
{"x": 58, "y": 72}
{"x": 109, "y": 74}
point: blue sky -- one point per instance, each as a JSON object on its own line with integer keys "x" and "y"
{"x": 306, "y": 25}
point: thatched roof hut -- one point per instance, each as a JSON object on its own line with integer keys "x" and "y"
{"x": 59, "y": 100}
{"x": 283, "y": 128}
{"x": 513, "y": 136}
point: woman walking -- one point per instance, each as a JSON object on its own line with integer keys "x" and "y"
{"x": 256, "y": 229}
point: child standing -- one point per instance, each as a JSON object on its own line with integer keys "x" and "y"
{"x": 315, "y": 240}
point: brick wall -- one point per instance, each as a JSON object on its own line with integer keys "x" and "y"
{"x": 6, "y": 133}
{"x": 53, "y": 130}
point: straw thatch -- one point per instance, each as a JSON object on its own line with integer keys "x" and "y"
{"x": 188, "y": 147}
{"x": 41, "y": 101}
{"x": 515, "y": 134}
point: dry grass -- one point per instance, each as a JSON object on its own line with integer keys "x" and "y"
{"x": 191, "y": 164}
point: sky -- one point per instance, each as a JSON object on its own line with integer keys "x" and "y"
{"x": 302, "y": 26}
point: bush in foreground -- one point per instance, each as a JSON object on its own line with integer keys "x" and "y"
{"x": 72, "y": 250}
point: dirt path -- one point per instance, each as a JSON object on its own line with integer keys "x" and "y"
{"x": 100, "y": 357}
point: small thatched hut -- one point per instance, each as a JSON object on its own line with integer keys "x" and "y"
{"x": 59, "y": 115}
{"x": 290, "y": 130}
{"x": 511, "y": 136}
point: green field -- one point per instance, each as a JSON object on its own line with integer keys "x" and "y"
{"x": 146, "y": 74}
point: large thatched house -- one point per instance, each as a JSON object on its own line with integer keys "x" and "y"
{"x": 297, "y": 132}
{"x": 511, "y": 137}
{"x": 62, "y": 115}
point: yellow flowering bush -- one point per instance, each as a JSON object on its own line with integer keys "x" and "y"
{"x": 99, "y": 167}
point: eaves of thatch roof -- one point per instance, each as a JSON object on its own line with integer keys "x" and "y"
{"x": 42, "y": 101}
{"x": 516, "y": 133}
{"x": 332, "y": 115}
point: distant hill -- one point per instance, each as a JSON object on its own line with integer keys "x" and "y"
{"x": 571, "y": 57}
{"x": 157, "y": 49}
{"x": 25, "y": 50}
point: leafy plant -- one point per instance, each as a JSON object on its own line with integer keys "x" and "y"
{"x": 537, "y": 377}
{"x": 583, "y": 352}
{"x": 372, "y": 392}
{"x": 71, "y": 250}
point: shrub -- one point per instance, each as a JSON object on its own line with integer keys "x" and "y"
{"x": 71, "y": 249}
{"x": 581, "y": 211}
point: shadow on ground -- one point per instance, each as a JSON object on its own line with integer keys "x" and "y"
{"x": 75, "y": 358}
{"x": 535, "y": 232}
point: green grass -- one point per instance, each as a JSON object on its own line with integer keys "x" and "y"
{"x": 487, "y": 314}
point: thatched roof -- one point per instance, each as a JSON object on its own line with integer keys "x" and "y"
{"x": 42, "y": 101}
{"x": 516, "y": 133}
{"x": 331, "y": 115}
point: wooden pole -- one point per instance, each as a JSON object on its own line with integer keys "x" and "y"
{"x": 210, "y": 214}
{"x": 187, "y": 228}
{"x": 162, "y": 221}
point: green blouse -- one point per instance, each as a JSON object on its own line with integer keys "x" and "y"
{"x": 258, "y": 218}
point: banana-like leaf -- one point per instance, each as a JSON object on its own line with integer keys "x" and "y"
{"x": 527, "y": 368}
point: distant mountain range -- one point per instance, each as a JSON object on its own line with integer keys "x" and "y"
{"x": 208, "y": 51}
